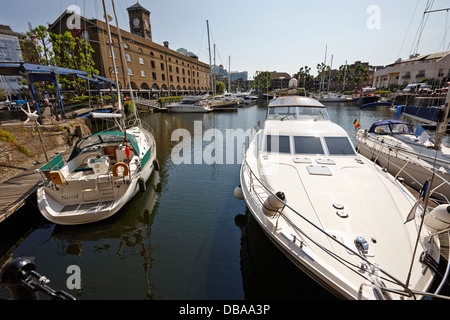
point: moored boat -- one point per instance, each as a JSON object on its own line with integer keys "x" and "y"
{"x": 332, "y": 212}
{"x": 104, "y": 171}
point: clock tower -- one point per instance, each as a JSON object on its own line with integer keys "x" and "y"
{"x": 140, "y": 21}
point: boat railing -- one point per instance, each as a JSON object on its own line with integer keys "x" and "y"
{"x": 255, "y": 184}
{"x": 402, "y": 170}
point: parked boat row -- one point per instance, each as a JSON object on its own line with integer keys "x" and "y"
{"x": 207, "y": 103}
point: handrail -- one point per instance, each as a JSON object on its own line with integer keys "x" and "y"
{"x": 402, "y": 169}
{"x": 373, "y": 267}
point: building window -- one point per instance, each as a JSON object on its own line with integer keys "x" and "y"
{"x": 113, "y": 53}
{"x": 142, "y": 73}
{"x": 126, "y": 46}
{"x": 141, "y": 60}
{"x": 140, "y": 50}
{"x": 130, "y": 71}
{"x": 163, "y": 77}
{"x": 171, "y": 78}
{"x": 170, "y": 68}
{"x": 154, "y": 75}
{"x": 153, "y": 64}
{"x": 162, "y": 66}
{"x": 127, "y": 57}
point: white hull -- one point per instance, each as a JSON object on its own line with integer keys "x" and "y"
{"x": 188, "y": 108}
{"x": 90, "y": 196}
{"x": 319, "y": 236}
{"x": 414, "y": 163}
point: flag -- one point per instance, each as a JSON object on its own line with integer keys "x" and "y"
{"x": 420, "y": 200}
{"x": 399, "y": 111}
{"x": 356, "y": 124}
{"x": 421, "y": 134}
{"x": 419, "y": 130}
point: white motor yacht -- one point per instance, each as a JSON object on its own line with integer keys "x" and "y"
{"x": 332, "y": 212}
{"x": 190, "y": 104}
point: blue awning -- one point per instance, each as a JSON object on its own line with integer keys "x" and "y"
{"x": 387, "y": 122}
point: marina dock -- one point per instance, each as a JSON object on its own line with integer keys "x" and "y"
{"x": 16, "y": 191}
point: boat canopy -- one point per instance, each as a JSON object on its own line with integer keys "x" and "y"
{"x": 391, "y": 126}
{"x": 296, "y": 108}
{"x": 100, "y": 138}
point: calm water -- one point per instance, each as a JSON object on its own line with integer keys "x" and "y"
{"x": 186, "y": 237}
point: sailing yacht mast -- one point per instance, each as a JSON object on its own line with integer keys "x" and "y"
{"x": 123, "y": 60}
{"x": 111, "y": 48}
{"x": 329, "y": 76}
{"x": 209, "y": 49}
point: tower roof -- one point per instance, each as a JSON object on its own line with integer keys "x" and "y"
{"x": 137, "y": 6}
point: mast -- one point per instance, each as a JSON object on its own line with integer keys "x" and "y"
{"x": 209, "y": 49}
{"x": 345, "y": 73}
{"x": 229, "y": 74}
{"x": 123, "y": 60}
{"x": 111, "y": 48}
{"x": 329, "y": 76}
{"x": 324, "y": 62}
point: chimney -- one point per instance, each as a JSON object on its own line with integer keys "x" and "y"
{"x": 166, "y": 44}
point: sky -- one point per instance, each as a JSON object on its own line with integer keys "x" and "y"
{"x": 275, "y": 35}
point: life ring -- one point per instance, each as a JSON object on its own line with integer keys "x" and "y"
{"x": 116, "y": 166}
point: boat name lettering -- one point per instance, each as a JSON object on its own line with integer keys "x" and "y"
{"x": 71, "y": 197}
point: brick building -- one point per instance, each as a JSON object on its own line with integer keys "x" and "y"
{"x": 155, "y": 70}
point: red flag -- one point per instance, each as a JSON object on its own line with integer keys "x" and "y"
{"x": 356, "y": 124}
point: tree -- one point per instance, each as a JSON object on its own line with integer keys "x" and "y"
{"x": 73, "y": 53}
{"x": 220, "y": 87}
{"x": 343, "y": 75}
{"x": 360, "y": 75}
{"x": 303, "y": 75}
{"x": 262, "y": 80}
{"x": 61, "y": 50}
{"x": 36, "y": 46}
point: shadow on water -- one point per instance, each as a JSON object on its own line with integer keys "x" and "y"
{"x": 267, "y": 273}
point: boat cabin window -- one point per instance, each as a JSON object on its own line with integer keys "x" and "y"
{"x": 282, "y": 113}
{"x": 308, "y": 145}
{"x": 278, "y": 144}
{"x": 394, "y": 128}
{"x": 297, "y": 113}
{"x": 339, "y": 146}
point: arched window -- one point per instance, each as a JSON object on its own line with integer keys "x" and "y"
{"x": 127, "y": 57}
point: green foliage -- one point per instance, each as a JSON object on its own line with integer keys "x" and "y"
{"x": 10, "y": 138}
{"x": 167, "y": 100}
{"x": 360, "y": 75}
{"x": 220, "y": 87}
{"x": 262, "y": 80}
{"x": 128, "y": 106}
{"x": 62, "y": 50}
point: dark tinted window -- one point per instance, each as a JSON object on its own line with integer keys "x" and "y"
{"x": 278, "y": 144}
{"x": 307, "y": 145}
{"x": 339, "y": 146}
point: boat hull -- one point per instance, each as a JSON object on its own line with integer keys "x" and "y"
{"x": 76, "y": 203}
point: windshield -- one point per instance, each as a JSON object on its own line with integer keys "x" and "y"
{"x": 297, "y": 113}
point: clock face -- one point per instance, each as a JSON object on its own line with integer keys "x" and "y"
{"x": 136, "y": 22}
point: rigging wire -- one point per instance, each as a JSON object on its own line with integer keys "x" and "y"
{"x": 407, "y": 30}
